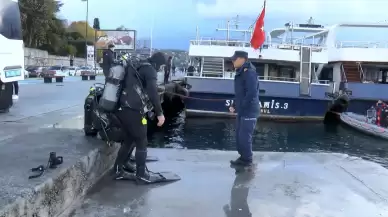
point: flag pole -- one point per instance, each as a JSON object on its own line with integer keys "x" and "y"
{"x": 257, "y": 16}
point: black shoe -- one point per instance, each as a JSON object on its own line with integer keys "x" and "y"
{"x": 240, "y": 162}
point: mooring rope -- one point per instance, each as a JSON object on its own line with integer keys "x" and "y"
{"x": 194, "y": 98}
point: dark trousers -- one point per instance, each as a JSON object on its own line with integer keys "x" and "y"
{"x": 134, "y": 132}
{"x": 16, "y": 87}
{"x": 244, "y": 131}
{"x": 106, "y": 72}
{"x": 166, "y": 77}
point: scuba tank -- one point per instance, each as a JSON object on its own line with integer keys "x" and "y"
{"x": 113, "y": 86}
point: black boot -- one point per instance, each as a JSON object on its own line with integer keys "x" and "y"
{"x": 241, "y": 162}
{"x": 142, "y": 175}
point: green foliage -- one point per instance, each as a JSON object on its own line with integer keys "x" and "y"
{"x": 42, "y": 29}
{"x": 86, "y": 31}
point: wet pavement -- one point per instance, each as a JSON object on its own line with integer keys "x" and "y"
{"x": 30, "y": 131}
{"x": 41, "y": 105}
{"x": 282, "y": 185}
{"x": 46, "y": 118}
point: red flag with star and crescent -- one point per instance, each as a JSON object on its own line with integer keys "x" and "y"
{"x": 258, "y": 36}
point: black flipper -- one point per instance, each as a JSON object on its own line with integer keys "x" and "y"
{"x": 159, "y": 177}
{"x": 149, "y": 159}
{"x": 124, "y": 175}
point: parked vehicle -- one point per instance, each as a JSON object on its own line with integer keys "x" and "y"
{"x": 87, "y": 72}
{"x": 57, "y": 72}
{"x": 34, "y": 71}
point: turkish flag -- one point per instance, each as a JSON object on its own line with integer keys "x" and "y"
{"x": 258, "y": 36}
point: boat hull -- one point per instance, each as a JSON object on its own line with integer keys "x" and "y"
{"x": 202, "y": 104}
{"x": 216, "y": 104}
{"x": 358, "y": 122}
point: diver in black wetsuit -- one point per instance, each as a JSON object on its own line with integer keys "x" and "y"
{"x": 133, "y": 119}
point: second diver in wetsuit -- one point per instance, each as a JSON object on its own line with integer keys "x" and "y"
{"x": 133, "y": 119}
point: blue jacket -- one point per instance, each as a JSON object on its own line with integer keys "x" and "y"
{"x": 246, "y": 88}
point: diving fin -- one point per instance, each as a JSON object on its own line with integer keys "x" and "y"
{"x": 124, "y": 175}
{"x": 148, "y": 159}
{"x": 160, "y": 177}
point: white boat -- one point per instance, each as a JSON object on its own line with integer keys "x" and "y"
{"x": 301, "y": 67}
{"x": 362, "y": 123}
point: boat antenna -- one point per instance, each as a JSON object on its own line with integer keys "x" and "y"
{"x": 237, "y": 21}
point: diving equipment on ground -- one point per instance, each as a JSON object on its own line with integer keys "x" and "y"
{"x": 52, "y": 163}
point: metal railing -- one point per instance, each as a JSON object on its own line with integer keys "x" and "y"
{"x": 290, "y": 46}
{"x": 230, "y": 75}
{"x": 361, "y": 44}
{"x": 361, "y": 71}
{"x": 235, "y": 43}
{"x": 343, "y": 73}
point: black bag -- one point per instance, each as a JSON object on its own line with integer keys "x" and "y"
{"x": 96, "y": 121}
{"x": 6, "y": 92}
{"x": 91, "y": 126}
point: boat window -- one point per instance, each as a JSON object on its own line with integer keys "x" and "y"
{"x": 228, "y": 66}
{"x": 259, "y": 69}
{"x": 10, "y": 22}
{"x": 286, "y": 72}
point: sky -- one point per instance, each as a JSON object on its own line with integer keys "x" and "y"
{"x": 174, "y": 22}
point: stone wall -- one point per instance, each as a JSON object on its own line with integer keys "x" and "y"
{"x": 38, "y": 57}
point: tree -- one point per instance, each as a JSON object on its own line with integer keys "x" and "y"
{"x": 81, "y": 28}
{"x": 42, "y": 29}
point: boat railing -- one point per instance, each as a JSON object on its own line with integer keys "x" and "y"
{"x": 343, "y": 74}
{"x": 273, "y": 78}
{"x": 230, "y": 75}
{"x": 362, "y": 44}
{"x": 235, "y": 43}
{"x": 361, "y": 71}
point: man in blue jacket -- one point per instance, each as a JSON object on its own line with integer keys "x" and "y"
{"x": 247, "y": 106}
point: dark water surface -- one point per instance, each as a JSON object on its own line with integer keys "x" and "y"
{"x": 207, "y": 133}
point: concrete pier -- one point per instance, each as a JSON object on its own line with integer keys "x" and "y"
{"x": 48, "y": 118}
{"x": 282, "y": 185}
